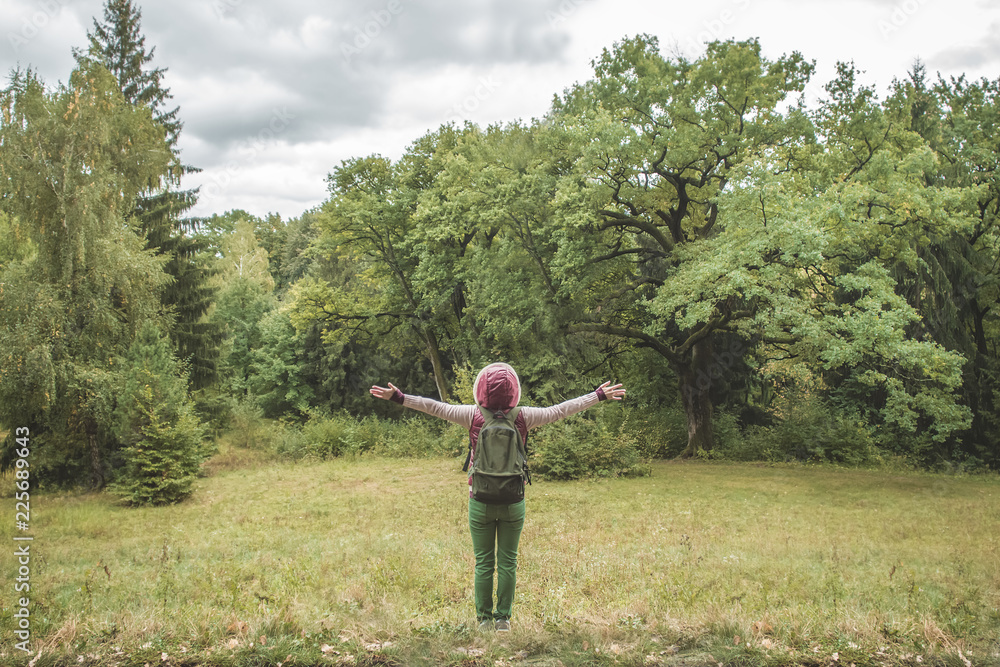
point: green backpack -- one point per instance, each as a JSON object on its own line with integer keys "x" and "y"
{"x": 500, "y": 465}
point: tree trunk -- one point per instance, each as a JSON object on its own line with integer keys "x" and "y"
{"x": 435, "y": 355}
{"x": 96, "y": 465}
{"x": 695, "y": 385}
{"x": 978, "y": 315}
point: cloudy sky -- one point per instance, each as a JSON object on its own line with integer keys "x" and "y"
{"x": 273, "y": 95}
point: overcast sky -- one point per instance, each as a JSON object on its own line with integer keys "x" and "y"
{"x": 273, "y": 95}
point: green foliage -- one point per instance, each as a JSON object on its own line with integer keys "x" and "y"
{"x": 369, "y": 221}
{"x": 295, "y": 261}
{"x": 713, "y": 208}
{"x": 247, "y": 425}
{"x": 161, "y": 467}
{"x": 322, "y": 437}
{"x": 688, "y": 207}
{"x": 118, "y": 43}
{"x": 66, "y": 161}
{"x": 30, "y": 316}
{"x": 278, "y": 377}
{"x": 577, "y": 448}
{"x": 685, "y": 226}
{"x": 73, "y": 163}
{"x": 154, "y": 420}
{"x": 954, "y": 286}
{"x": 15, "y": 242}
{"x": 811, "y": 432}
{"x": 414, "y": 437}
{"x": 240, "y": 309}
{"x": 243, "y": 258}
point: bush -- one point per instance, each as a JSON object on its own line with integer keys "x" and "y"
{"x": 162, "y": 466}
{"x": 575, "y": 448}
{"x": 813, "y": 432}
{"x": 248, "y": 427}
{"x": 320, "y": 437}
{"x": 731, "y": 443}
{"x": 162, "y": 439}
{"x": 557, "y": 451}
{"x": 418, "y": 437}
{"x": 340, "y": 435}
{"x": 660, "y": 434}
{"x": 809, "y": 432}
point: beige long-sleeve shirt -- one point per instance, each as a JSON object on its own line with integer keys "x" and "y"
{"x": 533, "y": 417}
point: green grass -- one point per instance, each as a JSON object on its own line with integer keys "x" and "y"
{"x": 367, "y": 561}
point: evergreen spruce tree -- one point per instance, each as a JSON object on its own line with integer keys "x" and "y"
{"x": 154, "y": 420}
{"x": 119, "y": 44}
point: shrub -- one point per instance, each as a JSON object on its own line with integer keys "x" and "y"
{"x": 575, "y": 448}
{"x": 658, "y": 434}
{"x": 364, "y": 435}
{"x": 321, "y": 437}
{"x": 162, "y": 466}
{"x": 557, "y": 450}
{"x": 342, "y": 434}
{"x": 162, "y": 439}
{"x": 809, "y": 432}
{"x": 813, "y": 432}
{"x": 248, "y": 427}
{"x": 730, "y": 442}
{"x": 418, "y": 437}
{"x": 618, "y": 452}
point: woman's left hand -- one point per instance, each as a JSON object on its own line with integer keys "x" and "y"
{"x": 616, "y": 392}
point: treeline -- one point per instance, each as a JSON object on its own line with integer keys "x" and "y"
{"x": 770, "y": 280}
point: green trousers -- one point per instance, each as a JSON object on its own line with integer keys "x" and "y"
{"x": 496, "y": 531}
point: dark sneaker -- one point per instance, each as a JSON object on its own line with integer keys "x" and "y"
{"x": 485, "y": 625}
{"x": 503, "y": 625}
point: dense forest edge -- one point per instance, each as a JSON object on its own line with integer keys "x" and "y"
{"x": 771, "y": 280}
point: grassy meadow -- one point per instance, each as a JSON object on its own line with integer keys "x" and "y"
{"x": 367, "y": 561}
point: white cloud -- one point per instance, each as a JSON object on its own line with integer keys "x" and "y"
{"x": 487, "y": 61}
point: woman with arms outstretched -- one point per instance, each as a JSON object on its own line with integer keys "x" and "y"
{"x": 496, "y": 528}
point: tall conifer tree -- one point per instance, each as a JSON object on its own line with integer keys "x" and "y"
{"x": 119, "y": 44}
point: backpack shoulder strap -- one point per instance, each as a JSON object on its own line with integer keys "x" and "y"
{"x": 511, "y": 414}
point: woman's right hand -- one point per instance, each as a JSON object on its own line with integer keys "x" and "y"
{"x": 383, "y": 392}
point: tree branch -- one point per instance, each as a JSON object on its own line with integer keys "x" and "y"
{"x": 622, "y": 220}
{"x": 630, "y": 251}
{"x": 642, "y": 337}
